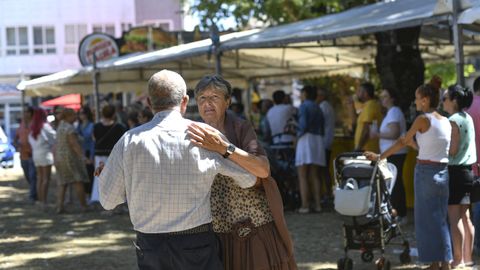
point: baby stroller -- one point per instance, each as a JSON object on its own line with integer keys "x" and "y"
{"x": 362, "y": 197}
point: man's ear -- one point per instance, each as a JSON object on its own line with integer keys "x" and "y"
{"x": 185, "y": 99}
{"x": 183, "y": 104}
{"x": 149, "y": 103}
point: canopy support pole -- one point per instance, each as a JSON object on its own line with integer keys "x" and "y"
{"x": 218, "y": 63}
{"x": 215, "y": 37}
{"x": 248, "y": 106}
{"x": 458, "y": 43}
{"x": 96, "y": 96}
{"x": 23, "y": 104}
{"x": 22, "y": 78}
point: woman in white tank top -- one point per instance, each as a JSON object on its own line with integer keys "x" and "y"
{"x": 433, "y": 133}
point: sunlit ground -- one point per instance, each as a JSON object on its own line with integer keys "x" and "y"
{"x": 33, "y": 239}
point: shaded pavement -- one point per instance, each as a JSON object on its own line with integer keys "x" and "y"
{"x": 31, "y": 238}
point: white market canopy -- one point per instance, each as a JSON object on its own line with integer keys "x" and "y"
{"x": 336, "y": 43}
{"x": 362, "y": 20}
{"x": 192, "y": 60}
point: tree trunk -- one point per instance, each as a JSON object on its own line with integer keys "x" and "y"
{"x": 400, "y": 64}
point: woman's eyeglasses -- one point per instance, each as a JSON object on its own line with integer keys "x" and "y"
{"x": 213, "y": 99}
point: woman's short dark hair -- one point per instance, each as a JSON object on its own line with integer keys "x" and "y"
{"x": 30, "y": 110}
{"x": 88, "y": 113}
{"x": 147, "y": 113}
{"x": 369, "y": 88}
{"x": 430, "y": 91}
{"x": 476, "y": 85}
{"x": 278, "y": 96}
{"x": 133, "y": 116}
{"x": 463, "y": 96}
{"x": 393, "y": 95}
{"x": 215, "y": 81}
{"x": 310, "y": 91}
{"x": 108, "y": 111}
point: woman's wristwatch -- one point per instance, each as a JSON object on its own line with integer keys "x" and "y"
{"x": 230, "y": 150}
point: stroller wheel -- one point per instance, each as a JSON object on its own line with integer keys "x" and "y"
{"x": 387, "y": 265}
{"x": 367, "y": 256}
{"x": 344, "y": 264}
{"x": 383, "y": 264}
{"x": 405, "y": 257}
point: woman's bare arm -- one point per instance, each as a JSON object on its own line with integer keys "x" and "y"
{"x": 421, "y": 124}
{"x": 455, "y": 139}
{"x": 212, "y": 140}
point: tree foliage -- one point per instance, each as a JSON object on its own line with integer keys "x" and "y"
{"x": 270, "y": 12}
{"x": 446, "y": 71}
{"x": 398, "y": 60}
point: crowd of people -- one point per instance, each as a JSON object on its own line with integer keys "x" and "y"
{"x": 444, "y": 137}
{"x": 220, "y": 181}
{"x": 73, "y": 143}
{"x": 446, "y": 134}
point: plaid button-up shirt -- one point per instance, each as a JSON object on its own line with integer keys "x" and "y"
{"x": 164, "y": 178}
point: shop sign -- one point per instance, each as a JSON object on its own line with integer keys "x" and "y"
{"x": 104, "y": 46}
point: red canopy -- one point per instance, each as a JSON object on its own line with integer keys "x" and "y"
{"x": 72, "y": 101}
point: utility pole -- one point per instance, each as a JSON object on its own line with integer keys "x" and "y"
{"x": 96, "y": 96}
{"x": 458, "y": 43}
{"x": 215, "y": 37}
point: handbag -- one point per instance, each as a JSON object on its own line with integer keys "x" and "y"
{"x": 475, "y": 190}
{"x": 351, "y": 200}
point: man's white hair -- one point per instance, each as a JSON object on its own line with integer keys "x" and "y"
{"x": 166, "y": 89}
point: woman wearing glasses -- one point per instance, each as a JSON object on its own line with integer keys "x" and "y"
{"x": 249, "y": 222}
{"x": 462, "y": 155}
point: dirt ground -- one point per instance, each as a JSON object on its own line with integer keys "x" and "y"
{"x": 33, "y": 239}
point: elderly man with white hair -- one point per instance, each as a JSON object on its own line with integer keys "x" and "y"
{"x": 166, "y": 180}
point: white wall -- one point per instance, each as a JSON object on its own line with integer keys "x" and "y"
{"x": 56, "y": 13}
{"x": 165, "y": 11}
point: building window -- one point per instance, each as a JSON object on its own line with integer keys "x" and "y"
{"x": 74, "y": 33}
{"x": 17, "y": 41}
{"x": 126, "y": 27}
{"x": 108, "y": 29}
{"x": 44, "y": 40}
{"x": 165, "y": 25}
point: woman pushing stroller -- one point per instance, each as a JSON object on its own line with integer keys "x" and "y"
{"x": 433, "y": 135}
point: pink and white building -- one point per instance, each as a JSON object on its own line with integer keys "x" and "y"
{"x": 39, "y": 37}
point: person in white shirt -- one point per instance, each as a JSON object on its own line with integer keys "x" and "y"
{"x": 393, "y": 127}
{"x": 166, "y": 180}
{"x": 329, "y": 128}
{"x": 42, "y": 138}
{"x": 278, "y": 116}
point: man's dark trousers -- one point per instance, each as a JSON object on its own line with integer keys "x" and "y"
{"x": 31, "y": 176}
{"x": 178, "y": 252}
